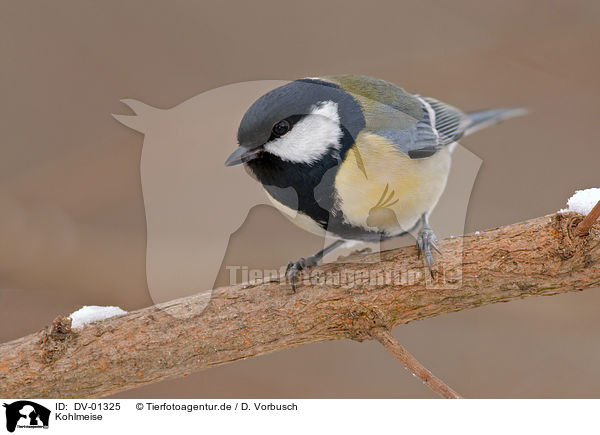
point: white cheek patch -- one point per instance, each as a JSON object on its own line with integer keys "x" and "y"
{"x": 310, "y": 138}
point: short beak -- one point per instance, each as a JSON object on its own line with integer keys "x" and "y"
{"x": 242, "y": 155}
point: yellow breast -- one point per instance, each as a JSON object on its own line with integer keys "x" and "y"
{"x": 380, "y": 188}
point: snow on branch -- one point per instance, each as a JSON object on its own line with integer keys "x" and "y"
{"x": 93, "y": 313}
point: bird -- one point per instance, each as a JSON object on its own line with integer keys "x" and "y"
{"x": 354, "y": 157}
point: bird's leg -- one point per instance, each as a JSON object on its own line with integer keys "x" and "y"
{"x": 294, "y": 267}
{"x": 425, "y": 241}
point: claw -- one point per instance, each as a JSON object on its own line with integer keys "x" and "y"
{"x": 435, "y": 246}
{"x": 292, "y": 271}
{"x": 419, "y": 246}
{"x": 293, "y": 268}
{"x": 425, "y": 241}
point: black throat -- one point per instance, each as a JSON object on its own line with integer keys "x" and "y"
{"x": 308, "y": 188}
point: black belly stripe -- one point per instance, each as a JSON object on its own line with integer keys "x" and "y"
{"x": 310, "y": 190}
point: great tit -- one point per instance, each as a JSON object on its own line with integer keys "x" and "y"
{"x": 354, "y": 157}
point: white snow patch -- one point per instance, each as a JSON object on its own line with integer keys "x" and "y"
{"x": 583, "y": 201}
{"x": 93, "y": 313}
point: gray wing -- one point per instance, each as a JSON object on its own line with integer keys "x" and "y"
{"x": 439, "y": 126}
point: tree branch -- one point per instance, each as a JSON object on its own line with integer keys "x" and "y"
{"x": 584, "y": 226}
{"x": 541, "y": 256}
{"x": 410, "y": 362}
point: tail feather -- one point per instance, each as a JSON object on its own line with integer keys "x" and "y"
{"x": 485, "y": 118}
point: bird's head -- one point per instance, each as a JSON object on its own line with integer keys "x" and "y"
{"x": 299, "y": 123}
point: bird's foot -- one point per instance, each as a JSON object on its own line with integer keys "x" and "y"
{"x": 425, "y": 241}
{"x": 294, "y": 267}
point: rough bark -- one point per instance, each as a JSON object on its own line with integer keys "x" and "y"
{"x": 542, "y": 256}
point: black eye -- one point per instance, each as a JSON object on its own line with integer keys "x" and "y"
{"x": 281, "y": 128}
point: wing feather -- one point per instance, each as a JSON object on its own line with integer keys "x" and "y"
{"x": 439, "y": 126}
{"x": 450, "y": 122}
{"x": 418, "y": 126}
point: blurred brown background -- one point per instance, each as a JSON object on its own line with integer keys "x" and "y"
{"x": 72, "y": 224}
